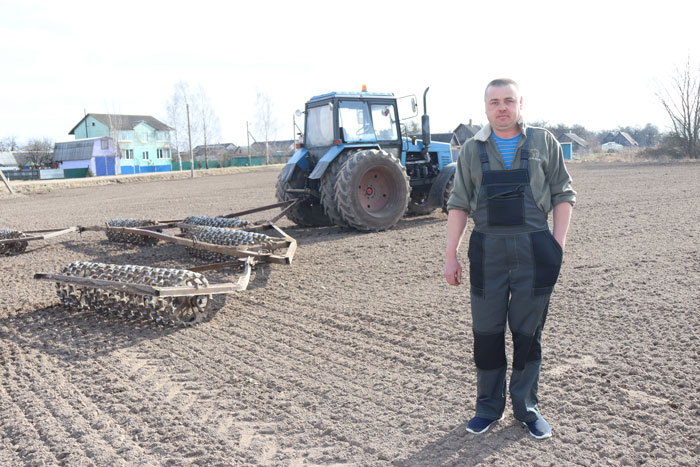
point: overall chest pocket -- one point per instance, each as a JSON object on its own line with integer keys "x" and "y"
{"x": 506, "y": 204}
{"x": 505, "y": 196}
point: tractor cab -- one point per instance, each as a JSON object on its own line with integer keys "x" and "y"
{"x": 355, "y": 118}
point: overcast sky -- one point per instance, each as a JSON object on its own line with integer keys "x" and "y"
{"x": 594, "y": 63}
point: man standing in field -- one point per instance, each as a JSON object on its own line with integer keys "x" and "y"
{"x": 508, "y": 178}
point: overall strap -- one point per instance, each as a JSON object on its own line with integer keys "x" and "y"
{"x": 525, "y": 150}
{"x": 483, "y": 157}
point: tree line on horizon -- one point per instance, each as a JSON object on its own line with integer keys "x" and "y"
{"x": 647, "y": 136}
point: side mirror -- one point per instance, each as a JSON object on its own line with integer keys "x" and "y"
{"x": 298, "y": 113}
{"x": 407, "y": 106}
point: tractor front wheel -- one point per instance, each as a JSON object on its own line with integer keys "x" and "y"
{"x": 447, "y": 192}
{"x": 418, "y": 204}
{"x": 372, "y": 190}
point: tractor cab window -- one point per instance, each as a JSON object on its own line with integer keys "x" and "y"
{"x": 319, "y": 126}
{"x": 383, "y": 116}
{"x": 355, "y": 122}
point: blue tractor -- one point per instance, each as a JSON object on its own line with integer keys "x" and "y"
{"x": 354, "y": 169}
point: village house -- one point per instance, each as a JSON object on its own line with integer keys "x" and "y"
{"x": 89, "y": 156}
{"x": 142, "y": 142}
{"x": 216, "y": 155}
{"x": 463, "y": 132}
{"x": 577, "y": 143}
{"x": 622, "y": 138}
{"x": 273, "y": 148}
{"x": 457, "y": 138}
{"x": 8, "y": 160}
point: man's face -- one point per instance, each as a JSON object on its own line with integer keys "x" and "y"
{"x": 503, "y": 105}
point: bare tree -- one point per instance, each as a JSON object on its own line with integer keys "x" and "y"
{"x": 116, "y": 123}
{"x": 265, "y": 122}
{"x": 210, "y": 128}
{"x": 9, "y": 143}
{"x": 204, "y": 124}
{"x": 176, "y": 110}
{"x": 173, "y": 115}
{"x": 39, "y": 151}
{"x": 411, "y": 127}
{"x": 681, "y": 100}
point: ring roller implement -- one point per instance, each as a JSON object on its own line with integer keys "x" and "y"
{"x": 223, "y": 236}
{"x": 226, "y": 222}
{"x": 13, "y": 243}
{"x": 119, "y": 236}
{"x": 169, "y": 296}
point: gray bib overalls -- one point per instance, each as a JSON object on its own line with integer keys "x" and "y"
{"x": 514, "y": 262}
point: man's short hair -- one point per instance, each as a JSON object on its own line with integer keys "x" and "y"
{"x": 501, "y": 82}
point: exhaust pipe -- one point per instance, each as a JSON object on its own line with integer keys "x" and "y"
{"x": 425, "y": 125}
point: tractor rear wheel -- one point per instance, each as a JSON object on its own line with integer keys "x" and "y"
{"x": 328, "y": 199}
{"x": 307, "y": 212}
{"x": 372, "y": 190}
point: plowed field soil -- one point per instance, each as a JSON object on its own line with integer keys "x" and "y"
{"x": 358, "y": 353}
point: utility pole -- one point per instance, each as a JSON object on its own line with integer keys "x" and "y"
{"x": 177, "y": 149}
{"x": 247, "y": 131}
{"x": 204, "y": 133}
{"x": 189, "y": 133}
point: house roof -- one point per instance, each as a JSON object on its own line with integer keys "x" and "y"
{"x": 465, "y": 131}
{"x": 216, "y": 150}
{"x": 78, "y": 150}
{"x": 441, "y": 137}
{"x": 227, "y": 146}
{"x": 124, "y": 122}
{"x": 620, "y": 137}
{"x": 7, "y": 159}
{"x": 216, "y": 147}
{"x": 576, "y": 139}
{"x": 275, "y": 147}
{"x": 457, "y": 138}
{"x": 626, "y": 136}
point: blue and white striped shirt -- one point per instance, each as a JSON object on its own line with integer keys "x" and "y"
{"x": 507, "y": 148}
